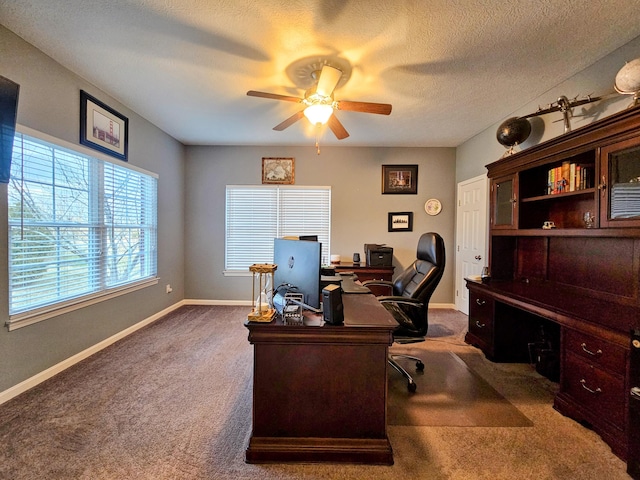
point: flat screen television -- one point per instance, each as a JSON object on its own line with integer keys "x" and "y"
{"x": 298, "y": 264}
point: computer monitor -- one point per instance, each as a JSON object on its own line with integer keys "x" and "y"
{"x": 298, "y": 264}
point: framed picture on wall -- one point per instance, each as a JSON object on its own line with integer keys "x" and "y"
{"x": 400, "y": 221}
{"x": 102, "y": 128}
{"x": 400, "y": 179}
{"x": 278, "y": 170}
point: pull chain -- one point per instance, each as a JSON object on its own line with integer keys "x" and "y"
{"x": 318, "y": 139}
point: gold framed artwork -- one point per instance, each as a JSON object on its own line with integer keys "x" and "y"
{"x": 276, "y": 170}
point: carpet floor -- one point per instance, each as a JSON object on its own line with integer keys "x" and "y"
{"x": 173, "y": 401}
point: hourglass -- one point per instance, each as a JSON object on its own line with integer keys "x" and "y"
{"x": 262, "y": 293}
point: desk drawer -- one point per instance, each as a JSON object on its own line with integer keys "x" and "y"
{"x": 481, "y": 316}
{"x": 595, "y": 350}
{"x": 597, "y": 391}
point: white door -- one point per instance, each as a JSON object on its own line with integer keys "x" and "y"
{"x": 471, "y": 235}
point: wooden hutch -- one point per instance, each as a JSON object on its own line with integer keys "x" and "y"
{"x": 576, "y": 284}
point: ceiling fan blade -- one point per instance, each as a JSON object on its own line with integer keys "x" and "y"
{"x": 329, "y": 78}
{"x": 365, "y": 107}
{"x": 337, "y": 128}
{"x": 289, "y": 121}
{"x": 273, "y": 96}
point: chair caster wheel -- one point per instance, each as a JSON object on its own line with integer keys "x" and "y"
{"x": 420, "y": 366}
{"x": 411, "y": 386}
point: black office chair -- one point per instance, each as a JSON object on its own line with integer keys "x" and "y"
{"x": 410, "y": 295}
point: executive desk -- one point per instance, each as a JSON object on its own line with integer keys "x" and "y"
{"x": 320, "y": 391}
{"x": 591, "y": 336}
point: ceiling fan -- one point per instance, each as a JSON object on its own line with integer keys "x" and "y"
{"x": 319, "y": 104}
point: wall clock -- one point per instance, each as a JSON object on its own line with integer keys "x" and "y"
{"x": 433, "y": 206}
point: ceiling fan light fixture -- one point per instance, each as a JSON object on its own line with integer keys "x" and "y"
{"x": 318, "y": 113}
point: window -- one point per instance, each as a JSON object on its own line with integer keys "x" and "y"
{"x": 79, "y": 228}
{"x": 256, "y": 214}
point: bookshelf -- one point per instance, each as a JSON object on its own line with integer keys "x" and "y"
{"x": 578, "y": 282}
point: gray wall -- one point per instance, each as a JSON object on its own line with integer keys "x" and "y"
{"x": 50, "y": 103}
{"x": 597, "y": 80}
{"x": 359, "y": 210}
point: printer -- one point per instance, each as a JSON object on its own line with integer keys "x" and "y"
{"x": 378, "y": 255}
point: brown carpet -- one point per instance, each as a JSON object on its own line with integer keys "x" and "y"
{"x": 173, "y": 402}
{"x": 449, "y": 394}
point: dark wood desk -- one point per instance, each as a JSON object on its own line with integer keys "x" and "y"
{"x": 592, "y": 340}
{"x": 320, "y": 391}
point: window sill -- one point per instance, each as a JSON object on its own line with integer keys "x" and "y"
{"x": 29, "y": 318}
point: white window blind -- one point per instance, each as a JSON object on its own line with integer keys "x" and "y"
{"x": 256, "y": 214}
{"x": 78, "y": 226}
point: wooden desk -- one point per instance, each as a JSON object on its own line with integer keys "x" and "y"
{"x": 592, "y": 340}
{"x": 320, "y": 391}
{"x": 365, "y": 272}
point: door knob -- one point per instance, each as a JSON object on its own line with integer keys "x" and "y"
{"x": 478, "y": 257}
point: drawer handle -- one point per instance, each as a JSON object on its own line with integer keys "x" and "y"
{"x": 593, "y": 354}
{"x": 480, "y": 325}
{"x": 583, "y": 382}
{"x": 480, "y": 302}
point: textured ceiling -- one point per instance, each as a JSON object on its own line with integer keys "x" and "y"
{"x": 450, "y": 68}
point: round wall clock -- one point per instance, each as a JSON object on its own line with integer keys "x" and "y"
{"x": 433, "y": 206}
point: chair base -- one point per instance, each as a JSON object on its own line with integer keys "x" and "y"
{"x": 411, "y": 385}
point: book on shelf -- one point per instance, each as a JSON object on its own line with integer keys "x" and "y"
{"x": 568, "y": 177}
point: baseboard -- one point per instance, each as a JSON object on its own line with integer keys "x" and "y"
{"x": 452, "y": 306}
{"x": 55, "y": 369}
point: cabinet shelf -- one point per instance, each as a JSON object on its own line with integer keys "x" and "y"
{"x": 557, "y": 196}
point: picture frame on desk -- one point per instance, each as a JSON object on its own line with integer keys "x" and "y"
{"x": 400, "y": 221}
{"x": 102, "y": 128}
{"x": 400, "y": 179}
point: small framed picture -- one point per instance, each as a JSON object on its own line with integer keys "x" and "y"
{"x": 278, "y": 170}
{"x": 400, "y": 179}
{"x": 400, "y": 221}
{"x": 102, "y": 128}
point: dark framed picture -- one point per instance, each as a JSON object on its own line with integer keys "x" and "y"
{"x": 278, "y": 170}
{"x": 400, "y": 221}
{"x": 102, "y": 128}
{"x": 400, "y": 179}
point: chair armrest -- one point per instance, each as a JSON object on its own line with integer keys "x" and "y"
{"x": 396, "y": 300}
{"x": 381, "y": 287}
{"x": 384, "y": 283}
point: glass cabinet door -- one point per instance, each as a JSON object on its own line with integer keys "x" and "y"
{"x": 620, "y": 184}
{"x": 504, "y": 202}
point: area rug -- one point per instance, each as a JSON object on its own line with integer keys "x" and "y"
{"x": 450, "y": 394}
